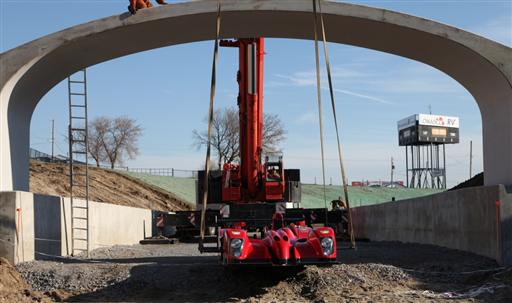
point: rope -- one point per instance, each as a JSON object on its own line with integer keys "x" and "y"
{"x": 319, "y": 101}
{"x": 333, "y": 104}
{"x": 210, "y": 121}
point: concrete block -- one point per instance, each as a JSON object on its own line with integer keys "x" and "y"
{"x": 467, "y": 219}
{"x": 39, "y": 226}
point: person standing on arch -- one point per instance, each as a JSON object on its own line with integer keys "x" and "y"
{"x": 135, "y": 5}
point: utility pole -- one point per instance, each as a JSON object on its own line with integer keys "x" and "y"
{"x": 53, "y": 139}
{"x": 470, "y": 159}
{"x": 392, "y": 171}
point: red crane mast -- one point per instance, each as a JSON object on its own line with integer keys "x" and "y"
{"x": 245, "y": 181}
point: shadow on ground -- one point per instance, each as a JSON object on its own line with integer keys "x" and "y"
{"x": 188, "y": 279}
{"x": 201, "y": 278}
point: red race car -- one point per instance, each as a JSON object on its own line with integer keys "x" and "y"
{"x": 295, "y": 244}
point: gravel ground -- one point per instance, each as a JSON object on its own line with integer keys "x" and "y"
{"x": 375, "y": 272}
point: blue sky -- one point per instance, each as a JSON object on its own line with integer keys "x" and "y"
{"x": 167, "y": 90}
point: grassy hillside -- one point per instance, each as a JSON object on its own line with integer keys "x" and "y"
{"x": 312, "y": 195}
{"x": 184, "y": 188}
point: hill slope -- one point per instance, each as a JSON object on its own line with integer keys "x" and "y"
{"x": 312, "y": 195}
{"x": 105, "y": 186}
{"x": 185, "y": 188}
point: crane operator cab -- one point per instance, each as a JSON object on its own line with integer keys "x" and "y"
{"x": 273, "y": 176}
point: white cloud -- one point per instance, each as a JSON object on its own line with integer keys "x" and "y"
{"x": 347, "y": 92}
{"x": 167, "y": 92}
{"x": 308, "y": 78}
{"x": 307, "y": 118}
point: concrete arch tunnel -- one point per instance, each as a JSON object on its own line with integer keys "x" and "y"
{"x": 28, "y": 72}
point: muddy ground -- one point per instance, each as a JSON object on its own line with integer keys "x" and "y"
{"x": 13, "y": 287}
{"x": 375, "y": 272}
{"x": 105, "y": 186}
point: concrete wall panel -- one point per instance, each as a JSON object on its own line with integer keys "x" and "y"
{"x": 44, "y": 226}
{"x": 466, "y": 219}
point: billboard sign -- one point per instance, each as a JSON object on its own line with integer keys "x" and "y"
{"x": 407, "y": 122}
{"x": 437, "y": 120}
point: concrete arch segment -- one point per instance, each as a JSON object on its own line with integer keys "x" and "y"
{"x": 482, "y": 66}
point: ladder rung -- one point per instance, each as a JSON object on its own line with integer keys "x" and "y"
{"x": 77, "y": 94}
{"x": 80, "y": 218}
{"x": 79, "y": 129}
{"x": 82, "y": 118}
{"x": 81, "y": 239}
{"x": 79, "y": 185}
{"x": 76, "y": 105}
{"x": 78, "y": 152}
{"x": 80, "y": 207}
{"x": 75, "y": 81}
{"x": 80, "y": 249}
{"x": 80, "y": 228}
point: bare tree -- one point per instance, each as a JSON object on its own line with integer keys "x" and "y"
{"x": 120, "y": 139}
{"x": 226, "y": 134}
{"x": 273, "y": 132}
{"x": 97, "y": 129}
{"x": 111, "y": 139}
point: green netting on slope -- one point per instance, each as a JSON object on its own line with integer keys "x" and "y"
{"x": 312, "y": 195}
{"x": 182, "y": 187}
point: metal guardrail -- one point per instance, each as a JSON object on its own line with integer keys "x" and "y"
{"x": 167, "y": 172}
{"x": 157, "y": 171}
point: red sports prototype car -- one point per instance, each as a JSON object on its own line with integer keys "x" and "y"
{"x": 295, "y": 244}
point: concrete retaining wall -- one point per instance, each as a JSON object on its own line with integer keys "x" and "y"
{"x": 35, "y": 226}
{"x": 468, "y": 219}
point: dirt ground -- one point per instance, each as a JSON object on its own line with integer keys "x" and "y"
{"x": 375, "y": 272}
{"x": 105, "y": 186}
{"x": 14, "y": 289}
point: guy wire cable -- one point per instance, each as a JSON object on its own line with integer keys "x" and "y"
{"x": 333, "y": 104}
{"x": 319, "y": 101}
{"x": 210, "y": 121}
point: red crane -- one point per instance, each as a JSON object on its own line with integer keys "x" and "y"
{"x": 252, "y": 211}
{"x": 259, "y": 228}
{"x": 250, "y": 181}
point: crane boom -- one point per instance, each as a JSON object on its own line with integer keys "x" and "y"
{"x": 244, "y": 182}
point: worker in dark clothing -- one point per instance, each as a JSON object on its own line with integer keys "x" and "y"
{"x": 135, "y": 5}
{"x": 338, "y": 204}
